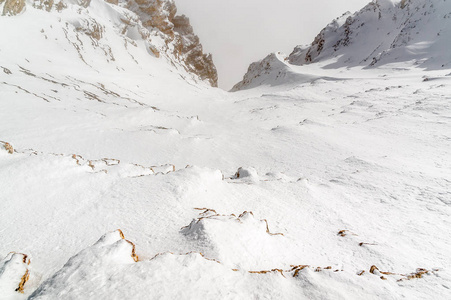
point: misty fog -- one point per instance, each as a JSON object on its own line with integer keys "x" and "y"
{"x": 239, "y": 32}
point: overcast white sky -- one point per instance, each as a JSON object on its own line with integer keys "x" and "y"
{"x": 239, "y": 32}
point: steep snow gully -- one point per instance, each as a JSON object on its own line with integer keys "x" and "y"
{"x": 326, "y": 174}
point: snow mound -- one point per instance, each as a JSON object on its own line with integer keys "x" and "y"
{"x": 384, "y": 32}
{"x": 269, "y": 69}
{"x": 242, "y": 242}
{"x": 84, "y": 271}
{"x": 247, "y": 174}
{"x": 14, "y": 273}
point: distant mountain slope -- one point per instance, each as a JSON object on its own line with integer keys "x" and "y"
{"x": 271, "y": 69}
{"x": 411, "y": 32}
{"x": 111, "y": 32}
{"x": 385, "y": 31}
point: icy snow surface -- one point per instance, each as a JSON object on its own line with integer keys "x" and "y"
{"x": 289, "y": 190}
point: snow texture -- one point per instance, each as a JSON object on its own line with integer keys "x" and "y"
{"x": 308, "y": 182}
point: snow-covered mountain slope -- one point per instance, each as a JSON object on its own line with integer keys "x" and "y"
{"x": 273, "y": 70}
{"x": 289, "y": 191}
{"x": 99, "y": 32}
{"x": 383, "y": 32}
{"x": 348, "y": 173}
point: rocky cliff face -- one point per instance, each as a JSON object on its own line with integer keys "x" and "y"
{"x": 189, "y": 49}
{"x": 166, "y": 35}
{"x": 180, "y": 39}
{"x": 384, "y": 31}
{"x": 13, "y": 7}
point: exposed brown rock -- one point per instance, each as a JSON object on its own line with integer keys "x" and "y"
{"x": 317, "y": 47}
{"x": 115, "y": 2}
{"x": 133, "y": 254}
{"x": 268, "y": 271}
{"x": 191, "y": 48}
{"x": 418, "y": 274}
{"x": 155, "y": 51}
{"x": 45, "y": 4}
{"x": 13, "y": 7}
{"x": 60, "y": 6}
{"x": 267, "y": 229}
{"x": 93, "y": 29}
{"x": 16, "y": 264}
{"x": 157, "y": 14}
{"x": 178, "y": 33}
{"x": 297, "y": 269}
{"x": 23, "y": 280}
{"x": 8, "y": 147}
{"x": 373, "y": 269}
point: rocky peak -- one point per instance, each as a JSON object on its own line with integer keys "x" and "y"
{"x": 155, "y": 14}
{"x": 181, "y": 42}
{"x": 189, "y": 49}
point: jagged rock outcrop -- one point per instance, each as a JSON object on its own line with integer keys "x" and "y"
{"x": 13, "y": 7}
{"x": 7, "y": 146}
{"x": 181, "y": 42}
{"x": 155, "y": 14}
{"x": 190, "y": 49}
{"x": 384, "y": 31}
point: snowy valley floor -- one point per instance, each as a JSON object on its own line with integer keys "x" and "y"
{"x": 341, "y": 171}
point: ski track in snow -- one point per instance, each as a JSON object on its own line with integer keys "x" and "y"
{"x": 342, "y": 170}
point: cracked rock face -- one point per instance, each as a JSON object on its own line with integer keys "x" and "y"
{"x": 181, "y": 41}
{"x": 190, "y": 49}
{"x": 13, "y": 7}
